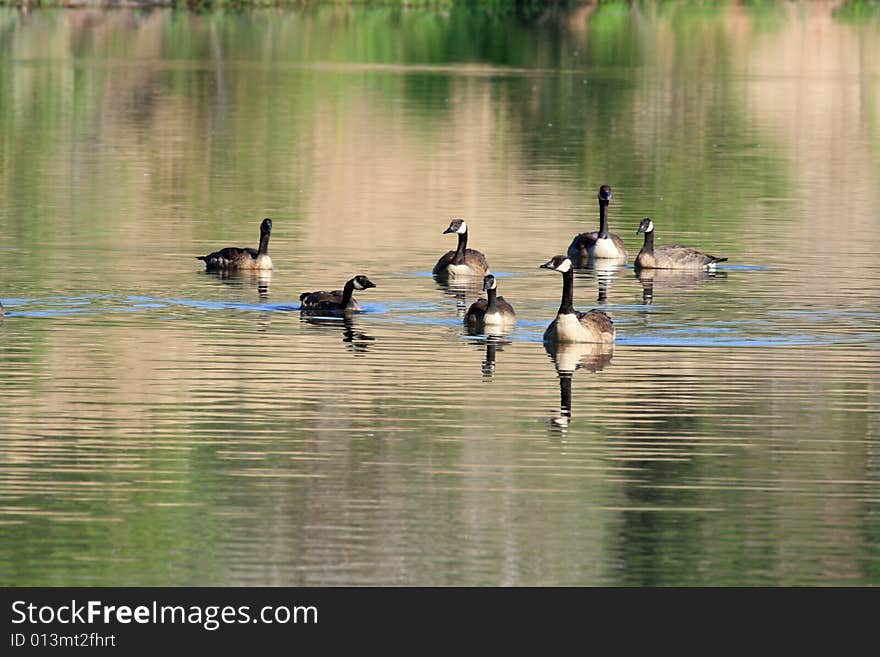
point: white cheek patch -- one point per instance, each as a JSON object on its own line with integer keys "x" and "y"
{"x": 650, "y": 228}
{"x": 462, "y": 229}
{"x": 564, "y": 266}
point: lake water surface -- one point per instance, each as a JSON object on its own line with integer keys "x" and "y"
{"x": 164, "y": 426}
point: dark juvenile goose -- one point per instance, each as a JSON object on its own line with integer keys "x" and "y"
{"x": 600, "y": 244}
{"x": 571, "y": 325}
{"x": 670, "y": 257}
{"x": 493, "y": 311}
{"x": 233, "y": 257}
{"x": 463, "y": 261}
{"x": 337, "y": 301}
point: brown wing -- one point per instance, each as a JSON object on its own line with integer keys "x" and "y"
{"x": 676, "y": 256}
{"x": 504, "y": 307}
{"x": 226, "y": 257}
{"x": 444, "y": 261}
{"x": 477, "y": 311}
{"x": 321, "y": 298}
{"x": 598, "y": 320}
{"x": 550, "y": 330}
{"x": 472, "y": 258}
{"x": 476, "y": 261}
{"x": 618, "y": 242}
{"x": 581, "y": 243}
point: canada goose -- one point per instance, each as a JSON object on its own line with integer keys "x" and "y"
{"x": 571, "y": 325}
{"x": 670, "y": 257}
{"x": 600, "y": 244}
{"x": 494, "y": 311}
{"x": 233, "y": 257}
{"x": 337, "y": 301}
{"x": 463, "y": 261}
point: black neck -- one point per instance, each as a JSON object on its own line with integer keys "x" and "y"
{"x": 264, "y": 244}
{"x": 603, "y": 219}
{"x": 649, "y": 242}
{"x": 493, "y": 300}
{"x": 567, "y": 305}
{"x": 346, "y": 293}
{"x": 462, "y": 246}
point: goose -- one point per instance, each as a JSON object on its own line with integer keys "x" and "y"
{"x": 600, "y": 244}
{"x": 233, "y": 257}
{"x": 337, "y": 301}
{"x": 571, "y": 325}
{"x": 493, "y": 311}
{"x": 670, "y": 257}
{"x": 463, "y": 261}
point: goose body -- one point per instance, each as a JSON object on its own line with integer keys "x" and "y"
{"x": 671, "y": 257}
{"x": 234, "y": 257}
{"x": 463, "y": 262}
{"x": 571, "y": 325}
{"x": 335, "y": 301}
{"x": 599, "y": 244}
{"x": 493, "y": 311}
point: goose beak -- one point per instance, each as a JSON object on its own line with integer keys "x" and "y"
{"x": 640, "y": 230}
{"x": 448, "y": 230}
{"x": 368, "y": 284}
{"x": 547, "y": 265}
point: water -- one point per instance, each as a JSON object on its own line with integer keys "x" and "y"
{"x": 164, "y": 426}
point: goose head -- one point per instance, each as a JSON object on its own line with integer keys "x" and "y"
{"x": 646, "y": 226}
{"x": 559, "y": 263}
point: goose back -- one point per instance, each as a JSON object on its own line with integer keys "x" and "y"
{"x": 234, "y": 257}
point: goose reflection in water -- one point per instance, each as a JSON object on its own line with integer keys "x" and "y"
{"x": 245, "y": 279}
{"x": 568, "y": 357}
{"x": 604, "y": 271}
{"x": 357, "y": 341}
{"x": 493, "y": 344}
{"x": 673, "y": 279}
